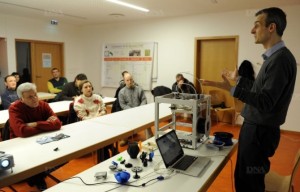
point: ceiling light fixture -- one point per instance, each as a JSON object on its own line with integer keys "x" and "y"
{"x": 128, "y": 5}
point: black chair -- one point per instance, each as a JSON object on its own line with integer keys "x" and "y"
{"x": 116, "y": 105}
{"x": 160, "y": 90}
{"x": 5, "y": 135}
{"x": 72, "y": 116}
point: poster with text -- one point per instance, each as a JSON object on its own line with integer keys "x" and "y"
{"x": 136, "y": 58}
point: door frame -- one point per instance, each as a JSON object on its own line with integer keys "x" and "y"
{"x": 229, "y": 64}
{"x": 32, "y": 53}
{"x": 197, "y": 59}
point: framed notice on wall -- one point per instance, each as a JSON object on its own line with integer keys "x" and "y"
{"x": 136, "y": 58}
{"x": 47, "y": 60}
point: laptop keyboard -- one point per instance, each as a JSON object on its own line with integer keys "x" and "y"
{"x": 184, "y": 162}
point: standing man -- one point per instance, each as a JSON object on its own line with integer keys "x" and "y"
{"x": 132, "y": 96}
{"x": 10, "y": 95}
{"x": 55, "y": 85}
{"x": 29, "y": 116}
{"x": 267, "y": 100}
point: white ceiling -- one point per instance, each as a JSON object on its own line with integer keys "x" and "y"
{"x": 84, "y": 12}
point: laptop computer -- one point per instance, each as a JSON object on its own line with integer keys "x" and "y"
{"x": 174, "y": 157}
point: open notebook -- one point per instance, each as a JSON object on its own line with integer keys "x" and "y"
{"x": 174, "y": 157}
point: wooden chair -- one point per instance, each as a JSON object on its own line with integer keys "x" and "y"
{"x": 219, "y": 107}
{"x": 275, "y": 182}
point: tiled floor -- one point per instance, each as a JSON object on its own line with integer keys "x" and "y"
{"x": 281, "y": 162}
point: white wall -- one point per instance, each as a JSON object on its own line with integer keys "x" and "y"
{"x": 175, "y": 37}
{"x": 12, "y": 28}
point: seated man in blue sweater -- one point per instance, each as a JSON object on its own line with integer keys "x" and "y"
{"x": 10, "y": 95}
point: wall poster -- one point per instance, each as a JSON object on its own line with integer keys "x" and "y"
{"x": 136, "y": 58}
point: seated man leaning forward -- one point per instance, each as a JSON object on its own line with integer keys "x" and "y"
{"x": 29, "y": 116}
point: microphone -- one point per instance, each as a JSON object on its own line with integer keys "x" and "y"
{"x": 199, "y": 81}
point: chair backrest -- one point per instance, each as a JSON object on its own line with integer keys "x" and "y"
{"x": 160, "y": 90}
{"x": 238, "y": 105}
{"x": 116, "y": 105}
{"x": 5, "y": 135}
{"x": 72, "y": 116}
{"x": 296, "y": 166}
{"x": 217, "y": 98}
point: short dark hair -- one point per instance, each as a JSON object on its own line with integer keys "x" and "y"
{"x": 124, "y": 72}
{"x": 15, "y": 73}
{"x": 179, "y": 75}
{"x": 81, "y": 77}
{"x": 54, "y": 69}
{"x": 274, "y": 15}
{"x": 7, "y": 76}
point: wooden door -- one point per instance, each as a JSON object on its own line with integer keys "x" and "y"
{"x": 45, "y": 56}
{"x": 212, "y": 56}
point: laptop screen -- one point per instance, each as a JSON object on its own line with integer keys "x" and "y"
{"x": 170, "y": 148}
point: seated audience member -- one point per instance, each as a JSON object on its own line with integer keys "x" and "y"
{"x": 55, "y": 85}
{"x": 10, "y": 95}
{"x": 183, "y": 85}
{"x": 29, "y": 116}
{"x": 89, "y": 105}
{"x": 71, "y": 89}
{"x": 132, "y": 96}
{"x": 17, "y": 75}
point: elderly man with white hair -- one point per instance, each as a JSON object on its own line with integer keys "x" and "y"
{"x": 29, "y": 116}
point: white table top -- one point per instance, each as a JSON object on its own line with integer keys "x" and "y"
{"x": 45, "y": 95}
{"x": 58, "y": 108}
{"x": 31, "y": 158}
{"x": 139, "y": 117}
{"x": 108, "y": 100}
{"x": 177, "y": 181}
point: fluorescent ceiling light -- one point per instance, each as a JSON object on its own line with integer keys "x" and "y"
{"x": 128, "y": 5}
